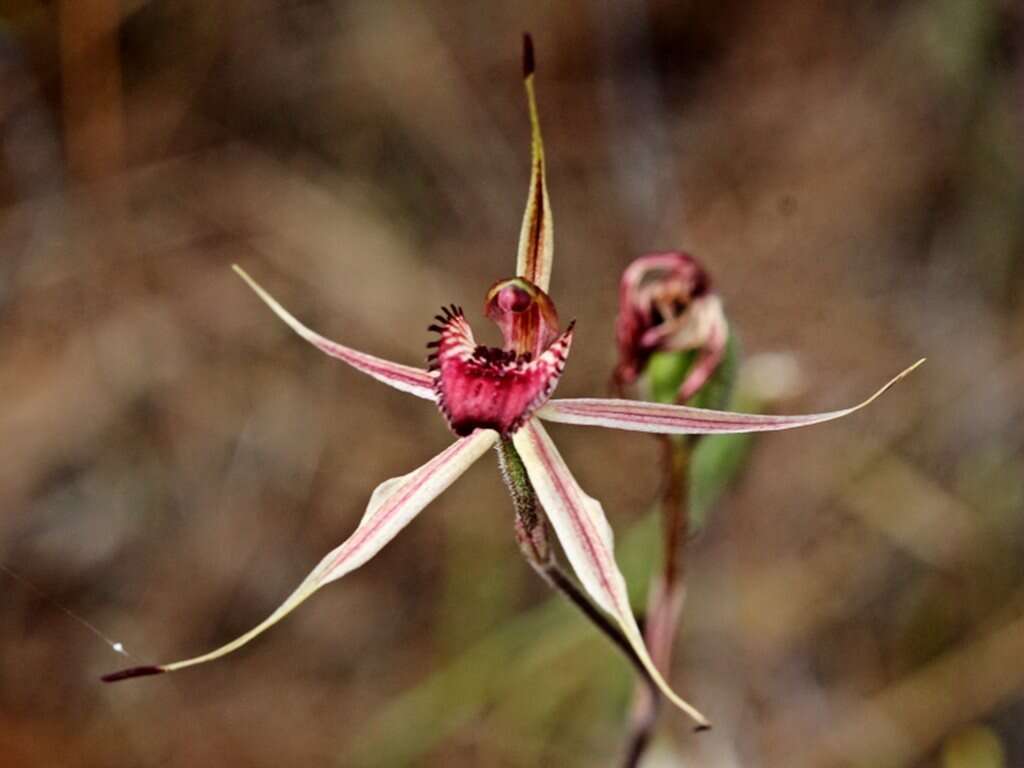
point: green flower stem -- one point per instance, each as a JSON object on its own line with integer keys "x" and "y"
{"x": 665, "y": 603}
{"x": 665, "y": 599}
{"x": 674, "y": 505}
{"x": 666, "y": 371}
{"x": 534, "y": 539}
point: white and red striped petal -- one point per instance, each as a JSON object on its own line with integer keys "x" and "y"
{"x": 393, "y": 506}
{"x": 638, "y": 416}
{"x": 587, "y": 540}
{"x": 415, "y": 381}
{"x": 486, "y": 387}
{"x": 536, "y": 237}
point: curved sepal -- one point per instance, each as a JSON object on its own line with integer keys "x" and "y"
{"x": 415, "y": 381}
{"x": 638, "y": 416}
{"x": 587, "y": 540}
{"x": 394, "y": 504}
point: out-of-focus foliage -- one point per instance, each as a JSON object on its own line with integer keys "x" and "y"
{"x": 172, "y": 461}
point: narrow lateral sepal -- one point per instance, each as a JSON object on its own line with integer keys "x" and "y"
{"x": 582, "y": 529}
{"x": 639, "y": 416}
{"x": 394, "y": 504}
{"x": 404, "y": 378}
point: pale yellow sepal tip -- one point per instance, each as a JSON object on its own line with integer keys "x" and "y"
{"x": 892, "y": 382}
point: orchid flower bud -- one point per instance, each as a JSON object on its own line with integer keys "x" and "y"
{"x": 671, "y": 329}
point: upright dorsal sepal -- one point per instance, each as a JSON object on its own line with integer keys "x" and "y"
{"x": 536, "y": 238}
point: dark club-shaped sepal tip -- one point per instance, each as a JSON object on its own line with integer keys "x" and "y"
{"x": 127, "y": 674}
{"x": 529, "y": 63}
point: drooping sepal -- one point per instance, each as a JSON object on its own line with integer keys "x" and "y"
{"x": 394, "y": 504}
{"x": 482, "y": 387}
{"x": 586, "y": 537}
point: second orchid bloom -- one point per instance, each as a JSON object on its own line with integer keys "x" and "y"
{"x": 492, "y": 395}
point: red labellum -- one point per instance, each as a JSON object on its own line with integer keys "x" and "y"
{"x": 482, "y": 387}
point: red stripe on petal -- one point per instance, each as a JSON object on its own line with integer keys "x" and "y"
{"x": 597, "y": 553}
{"x": 641, "y": 416}
{"x": 396, "y": 502}
{"x": 588, "y": 543}
{"x": 393, "y": 505}
{"x": 402, "y": 377}
{"x": 536, "y": 236}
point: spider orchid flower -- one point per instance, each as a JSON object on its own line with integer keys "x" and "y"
{"x": 666, "y": 303}
{"x": 499, "y": 395}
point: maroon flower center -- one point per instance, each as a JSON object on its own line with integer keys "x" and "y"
{"x": 493, "y": 388}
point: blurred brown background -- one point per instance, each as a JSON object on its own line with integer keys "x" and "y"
{"x": 173, "y": 460}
